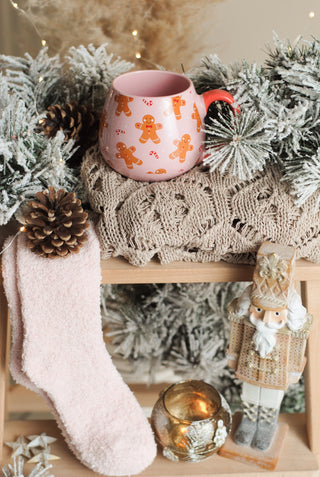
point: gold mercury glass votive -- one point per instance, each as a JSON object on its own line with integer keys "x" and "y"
{"x": 191, "y": 421}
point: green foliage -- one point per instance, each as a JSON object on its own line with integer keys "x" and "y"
{"x": 239, "y": 145}
{"x": 29, "y": 160}
{"x": 180, "y": 328}
{"x": 283, "y": 98}
{"x": 179, "y": 331}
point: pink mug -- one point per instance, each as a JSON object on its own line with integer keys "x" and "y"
{"x": 150, "y": 128}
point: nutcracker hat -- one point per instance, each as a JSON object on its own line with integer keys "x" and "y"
{"x": 273, "y": 276}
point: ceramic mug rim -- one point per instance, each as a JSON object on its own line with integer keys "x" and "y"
{"x": 118, "y": 86}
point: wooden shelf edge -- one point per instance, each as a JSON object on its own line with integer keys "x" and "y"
{"x": 119, "y": 271}
{"x": 296, "y": 459}
{"x": 22, "y": 400}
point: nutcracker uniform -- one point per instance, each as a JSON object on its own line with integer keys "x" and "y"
{"x": 269, "y": 307}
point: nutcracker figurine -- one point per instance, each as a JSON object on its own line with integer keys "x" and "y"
{"x": 269, "y": 331}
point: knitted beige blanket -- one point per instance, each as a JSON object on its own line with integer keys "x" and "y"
{"x": 199, "y": 216}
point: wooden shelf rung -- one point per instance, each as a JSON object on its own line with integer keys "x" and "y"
{"x": 296, "y": 459}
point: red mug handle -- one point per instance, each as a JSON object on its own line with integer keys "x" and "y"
{"x": 219, "y": 95}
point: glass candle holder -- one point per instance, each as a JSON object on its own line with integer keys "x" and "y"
{"x": 191, "y": 421}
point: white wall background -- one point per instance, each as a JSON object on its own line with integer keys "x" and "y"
{"x": 238, "y": 28}
{"x": 242, "y": 28}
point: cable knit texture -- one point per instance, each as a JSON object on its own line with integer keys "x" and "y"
{"x": 199, "y": 216}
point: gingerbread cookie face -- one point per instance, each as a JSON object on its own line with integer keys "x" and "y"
{"x": 177, "y": 102}
{"x": 183, "y": 146}
{"x": 149, "y": 129}
{"x": 195, "y": 115}
{"x": 126, "y": 153}
{"x": 123, "y": 104}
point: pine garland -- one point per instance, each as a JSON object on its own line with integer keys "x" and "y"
{"x": 177, "y": 330}
{"x": 284, "y": 98}
{"x": 29, "y": 160}
{"x": 279, "y": 119}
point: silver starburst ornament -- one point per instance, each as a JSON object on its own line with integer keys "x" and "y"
{"x": 17, "y": 469}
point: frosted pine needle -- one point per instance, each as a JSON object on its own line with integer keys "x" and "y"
{"x": 295, "y": 69}
{"x": 303, "y": 173}
{"x": 238, "y": 145}
{"x": 211, "y": 74}
{"x": 93, "y": 70}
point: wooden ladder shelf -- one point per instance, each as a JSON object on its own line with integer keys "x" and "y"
{"x": 299, "y": 457}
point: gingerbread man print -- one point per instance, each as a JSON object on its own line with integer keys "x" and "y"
{"x": 177, "y": 102}
{"x": 126, "y": 153}
{"x": 195, "y": 115}
{"x": 149, "y": 129}
{"x": 183, "y": 146}
{"x": 123, "y": 104}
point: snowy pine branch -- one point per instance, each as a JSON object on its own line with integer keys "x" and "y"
{"x": 29, "y": 160}
{"x": 303, "y": 174}
{"x": 93, "y": 70}
{"x": 212, "y": 74}
{"x": 32, "y": 79}
{"x": 238, "y": 145}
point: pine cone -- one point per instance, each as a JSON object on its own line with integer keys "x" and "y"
{"x": 78, "y": 122}
{"x": 55, "y": 224}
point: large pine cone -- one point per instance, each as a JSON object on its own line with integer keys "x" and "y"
{"x": 55, "y": 224}
{"x": 77, "y": 122}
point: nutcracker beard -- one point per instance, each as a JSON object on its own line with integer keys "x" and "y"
{"x": 265, "y": 335}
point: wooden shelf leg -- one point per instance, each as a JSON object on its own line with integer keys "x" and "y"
{"x": 4, "y": 351}
{"x": 310, "y": 292}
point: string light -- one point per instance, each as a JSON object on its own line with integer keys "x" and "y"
{"x": 21, "y": 229}
{"x": 40, "y": 79}
{"x": 134, "y": 32}
{"x": 311, "y": 15}
{"x": 23, "y": 12}
{"x": 138, "y": 55}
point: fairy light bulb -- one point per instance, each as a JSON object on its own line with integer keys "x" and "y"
{"x": 134, "y": 32}
{"x": 23, "y": 12}
{"x": 138, "y": 55}
{"x": 311, "y": 15}
{"x": 40, "y": 79}
{"x": 22, "y": 229}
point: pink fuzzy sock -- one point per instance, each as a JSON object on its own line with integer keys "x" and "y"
{"x": 58, "y": 348}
